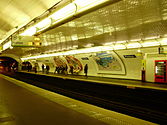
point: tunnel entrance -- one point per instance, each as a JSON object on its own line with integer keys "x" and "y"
{"x": 8, "y": 64}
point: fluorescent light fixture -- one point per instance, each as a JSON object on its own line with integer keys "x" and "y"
{"x": 119, "y": 46}
{"x": 40, "y": 26}
{"x": 121, "y": 42}
{"x": 135, "y": 40}
{"x": 42, "y": 56}
{"x": 72, "y": 52}
{"x": 74, "y": 46}
{"x": 7, "y": 45}
{"x": 29, "y": 32}
{"x": 150, "y": 43}
{"x": 106, "y": 48}
{"x": 83, "y": 5}
{"x": 74, "y": 37}
{"x": 70, "y": 47}
{"x": 58, "y": 16}
{"x": 43, "y": 24}
{"x": 153, "y": 37}
{"x": 68, "y": 11}
{"x": 109, "y": 43}
{"x": 63, "y": 13}
{"x": 88, "y": 50}
{"x": 133, "y": 45}
{"x": 139, "y": 51}
{"x": 89, "y": 45}
{"x": 163, "y": 41}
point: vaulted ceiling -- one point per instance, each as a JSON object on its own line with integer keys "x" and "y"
{"x": 16, "y": 13}
{"x": 124, "y": 21}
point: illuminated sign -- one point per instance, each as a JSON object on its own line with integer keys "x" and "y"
{"x": 25, "y": 41}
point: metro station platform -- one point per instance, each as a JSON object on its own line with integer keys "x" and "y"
{"x": 114, "y": 81}
{"x": 25, "y": 104}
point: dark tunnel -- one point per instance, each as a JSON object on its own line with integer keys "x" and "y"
{"x": 8, "y": 64}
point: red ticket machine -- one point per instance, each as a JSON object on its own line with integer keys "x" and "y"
{"x": 161, "y": 71}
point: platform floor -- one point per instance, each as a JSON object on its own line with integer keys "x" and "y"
{"x": 115, "y": 81}
{"x": 24, "y": 104}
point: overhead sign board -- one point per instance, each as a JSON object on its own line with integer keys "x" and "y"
{"x": 25, "y": 41}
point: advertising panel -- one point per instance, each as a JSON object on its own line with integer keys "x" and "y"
{"x": 75, "y": 63}
{"x": 109, "y": 63}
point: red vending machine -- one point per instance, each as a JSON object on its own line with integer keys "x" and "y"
{"x": 161, "y": 71}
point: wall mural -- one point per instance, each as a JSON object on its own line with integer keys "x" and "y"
{"x": 59, "y": 61}
{"x": 75, "y": 63}
{"x": 109, "y": 63}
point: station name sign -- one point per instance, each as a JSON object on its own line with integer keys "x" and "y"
{"x": 85, "y": 58}
{"x": 129, "y": 56}
{"x": 25, "y": 41}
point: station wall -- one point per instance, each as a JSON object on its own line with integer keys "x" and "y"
{"x": 103, "y": 64}
{"x": 126, "y": 64}
{"x": 135, "y": 65}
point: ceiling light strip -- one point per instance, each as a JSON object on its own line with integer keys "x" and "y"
{"x": 71, "y": 10}
{"x": 104, "y": 48}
